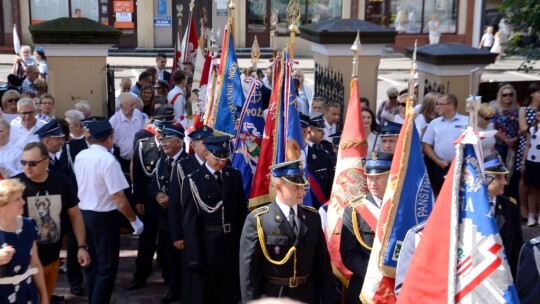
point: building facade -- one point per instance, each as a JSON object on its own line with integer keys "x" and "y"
{"x": 153, "y": 23}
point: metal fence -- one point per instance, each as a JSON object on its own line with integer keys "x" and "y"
{"x": 329, "y": 84}
{"x": 111, "y": 98}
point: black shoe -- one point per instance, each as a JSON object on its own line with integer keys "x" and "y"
{"x": 76, "y": 290}
{"x": 170, "y": 297}
{"x": 57, "y": 299}
{"x": 134, "y": 285}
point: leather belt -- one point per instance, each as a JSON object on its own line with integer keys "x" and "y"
{"x": 291, "y": 282}
{"x": 225, "y": 228}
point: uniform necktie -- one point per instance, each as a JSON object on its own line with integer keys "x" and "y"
{"x": 218, "y": 177}
{"x": 171, "y": 161}
{"x": 292, "y": 220}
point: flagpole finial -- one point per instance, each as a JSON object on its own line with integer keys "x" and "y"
{"x": 232, "y": 6}
{"x": 255, "y": 52}
{"x": 179, "y": 9}
{"x": 357, "y": 48}
{"x": 412, "y": 82}
{"x": 191, "y": 5}
{"x": 294, "y": 13}
{"x": 473, "y": 102}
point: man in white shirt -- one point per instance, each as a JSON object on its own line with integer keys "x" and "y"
{"x": 332, "y": 114}
{"x": 24, "y": 126}
{"x": 438, "y": 140}
{"x": 126, "y": 123}
{"x": 101, "y": 185}
{"x": 176, "y": 97}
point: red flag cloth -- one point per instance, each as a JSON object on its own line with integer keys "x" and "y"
{"x": 349, "y": 182}
{"x": 260, "y": 191}
{"x": 190, "y": 42}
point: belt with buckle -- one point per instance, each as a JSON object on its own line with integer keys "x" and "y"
{"x": 291, "y": 282}
{"x": 225, "y": 228}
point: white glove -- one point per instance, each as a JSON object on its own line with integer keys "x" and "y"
{"x": 137, "y": 225}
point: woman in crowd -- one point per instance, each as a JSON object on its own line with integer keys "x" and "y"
{"x": 41, "y": 62}
{"x": 147, "y": 96}
{"x": 530, "y": 168}
{"x": 304, "y": 92}
{"x": 74, "y": 120}
{"x": 371, "y": 129}
{"x": 22, "y": 61}
{"x": 485, "y": 114}
{"x": 10, "y": 156}
{"x": 506, "y": 123}
{"x": 389, "y": 107}
{"x": 426, "y": 112}
{"x": 9, "y": 105}
{"x": 402, "y": 104}
{"x": 18, "y": 255}
{"x": 527, "y": 119}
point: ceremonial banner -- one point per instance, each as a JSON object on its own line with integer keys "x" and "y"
{"x": 460, "y": 258}
{"x": 229, "y": 95}
{"x": 260, "y": 191}
{"x": 408, "y": 200}
{"x": 190, "y": 41}
{"x": 349, "y": 182}
{"x": 249, "y": 136}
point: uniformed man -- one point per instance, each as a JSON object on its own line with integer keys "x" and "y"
{"x": 389, "y": 134}
{"x": 320, "y": 166}
{"x": 172, "y": 143}
{"x": 317, "y": 135}
{"x": 528, "y": 273}
{"x": 506, "y": 209}
{"x": 214, "y": 208}
{"x": 357, "y": 233}
{"x": 146, "y": 154}
{"x": 53, "y": 136}
{"x": 101, "y": 185}
{"x": 283, "y": 249}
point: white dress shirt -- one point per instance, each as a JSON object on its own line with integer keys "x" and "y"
{"x": 10, "y": 160}
{"x": 124, "y": 131}
{"x": 99, "y": 176}
{"x": 19, "y": 136}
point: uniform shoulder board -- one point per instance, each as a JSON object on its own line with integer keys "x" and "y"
{"x": 513, "y": 200}
{"x": 357, "y": 201}
{"x": 310, "y": 209}
{"x": 193, "y": 173}
{"x": 144, "y": 139}
{"x": 260, "y": 210}
{"x": 183, "y": 159}
{"x": 534, "y": 241}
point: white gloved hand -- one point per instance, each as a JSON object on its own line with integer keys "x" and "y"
{"x": 137, "y": 225}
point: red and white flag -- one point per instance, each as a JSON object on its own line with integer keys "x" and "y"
{"x": 190, "y": 42}
{"x": 349, "y": 182}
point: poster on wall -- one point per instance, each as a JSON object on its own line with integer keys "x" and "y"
{"x": 123, "y": 11}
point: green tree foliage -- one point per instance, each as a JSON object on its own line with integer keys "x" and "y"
{"x": 523, "y": 18}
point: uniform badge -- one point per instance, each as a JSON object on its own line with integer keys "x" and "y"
{"x": 277, "y": 232}
{"x": 278, "y": 217}
{"x": 224, "y": 144}
{"x": 161, "y": 177}
{"x": 277, "y": 250}
{"x": 207, "y": 177}
{"x": 314, "y": 156}
{"x": 148, "y": 168}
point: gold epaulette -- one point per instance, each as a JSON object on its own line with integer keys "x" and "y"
{"x": 357, "y": 201}
{"x": 513, "y": 200}
{"x": 260, "y": 210}
{"x": 310, "y": 208}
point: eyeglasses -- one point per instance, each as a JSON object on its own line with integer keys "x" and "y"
{"x": 31, "y": 163}
{"x": 441, "y": 104}
{"x": 392, "y": 97}
{"x": 27, "y": 113}
{"x": 402, "y": 104}
{"x": 507, "y": 95}
{"x": 13, "y": 100}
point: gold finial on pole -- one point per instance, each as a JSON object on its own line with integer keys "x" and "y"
{"x": 232, "y": 6}
{"x": 473, "y": 102}
{"x": 255, "y": 52}
{"x": 294, "y": 13}
{"x": 274, "y": 19}
{"x": 357, "y": 48}
{"x": 191, "y": 5}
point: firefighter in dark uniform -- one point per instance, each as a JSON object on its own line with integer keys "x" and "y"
{"x": 146, "y": 154}
{"x": 506, "y": 209}
{"x": 214, "y": 209}
{"x": 180, "y": 170}
{"x": 357, "y": 235}
{"x": 528, "y": 273}
{"x": 319, "y": 124}
{"x": 283, "y": 249}
{"x": 320, "y": 165}
{"x": 172, "y": 143}
{"x": 53, "y": 136}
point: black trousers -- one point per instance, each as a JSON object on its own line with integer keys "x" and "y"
{"x": 104, "y": 241}
{"x": 216, "y": 284}
{"x": 147, "y": 246}
{"x": 173, "y": 270}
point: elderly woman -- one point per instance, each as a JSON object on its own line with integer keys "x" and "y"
{"x": 9, "y": 105}
{"x": 485, "y": 114}
{"x": 74, "y": 119}
{"x": 389, "y": 107}
{"x": 84, "y": 107}
{"x": 10, "y": 156}
{"x": 22, "y": 280}
{"x": 23, "y": 61}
